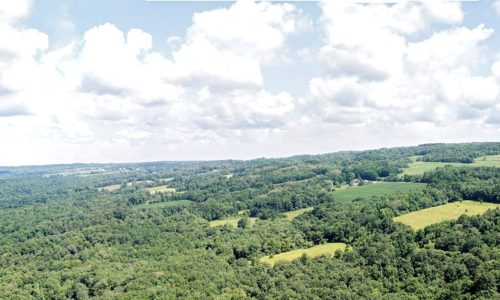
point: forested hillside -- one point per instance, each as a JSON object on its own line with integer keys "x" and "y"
{"x": 200, "y": 230}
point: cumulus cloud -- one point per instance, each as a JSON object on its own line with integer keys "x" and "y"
{"x": 369, "y": 40}
{"x": 13, "y": 11}
{"x": 225, "y": 48}
{"x": 390, "y": 73}
{"x": 496, "y": 7}
{"x": 382, "y": 71}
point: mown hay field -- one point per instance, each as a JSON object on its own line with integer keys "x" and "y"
{"x": 295, "y": 213}
{"x": 375, "y": 189}
{"x": 231, "y": 221}
{"x": 324, "y": 249}
{"x": 160, "y": 189}
{"x": 109, "y": 188}
{"x": 420, "y": 167}
{"x": 451, "y": 211}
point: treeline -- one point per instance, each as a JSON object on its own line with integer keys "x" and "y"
{"x": 481, "y": 184}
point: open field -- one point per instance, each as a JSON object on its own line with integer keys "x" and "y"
{"x": 420, "y": 167}
{"x": 324, "y": 249}
{"x": 231, "y": 221}
{"x": 165, "y": 204}
{"x": 109, "y": 188}
{"x": 451, "y": 211}
{"x": 160, "y": 189}
{"x": 375, "y": 189}
{"x": 295, "y": 213}
{"x": 487, "y": 161}
{"x": 132, "y": 183}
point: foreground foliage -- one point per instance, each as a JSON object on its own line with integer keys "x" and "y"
{"x": 61, "y": 238}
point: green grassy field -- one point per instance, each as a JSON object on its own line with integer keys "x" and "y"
{"x": 139, "y": 182}
{"x": 451, "y": 211}
{"x": 160, "y": 189}
{"x": 324, "y": 249}
{"x": 231, "y": 221}
{"x": 109, "y": 188}
{"x": 165, "y": 204}
{"x": 487, "y": 161}
{"x": 420, "y": 167}
{"x": 295, "y": 213}
{"x": 375, "y": 189}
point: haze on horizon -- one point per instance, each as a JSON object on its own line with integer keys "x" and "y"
{"x": 104, "y": 81}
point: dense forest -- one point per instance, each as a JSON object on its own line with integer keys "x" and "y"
{"x": 146, "y": 230}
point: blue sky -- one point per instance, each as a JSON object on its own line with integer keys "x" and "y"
{"x": 116, "y": 81}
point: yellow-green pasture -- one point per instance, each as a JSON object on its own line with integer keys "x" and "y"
{"x": 420, "y": 167}
{"x": 324, "y": 249}
{"x": 231, "y": 221}
{"x": 375, "y": 189}
{"x": 487, "y": 161}
{"x": 295, "y": 213}
{"x": 160, "y": 189}
{"x": 451, "y": 211}
{"x": 109, "y": 188}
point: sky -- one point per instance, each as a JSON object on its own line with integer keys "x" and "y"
{"x": 134, "y": 80}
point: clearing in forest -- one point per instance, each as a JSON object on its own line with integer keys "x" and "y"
{"x": 109, "y": 188}
{"x": 420, "y": 167}
{"x": 451, "y": 211}
{"x": 324, "y": 249}
{"x": 375, "y": 189}
{"x": 231, "y": 221}
{"x": 295, "y": 213}
{"x": 160, "y": 189}
{"x": 165, "y": 204}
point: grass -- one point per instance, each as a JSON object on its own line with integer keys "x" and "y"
{"x": 420, "y": 167}
{"x": 231, "y": 221}
{"x": 451, "y": 211}
{"x": 132, "y": 183}
{"x": 165, "y": 204}
{"x": 160, "y": 189}
{"x": 295, "y": 213}
{"x": 109, "y": 188}
{"x": 324, "y": 249}
{"x": 375, "y": 189}
{"x": 487, "y": 161}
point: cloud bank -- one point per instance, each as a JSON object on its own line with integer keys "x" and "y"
{"x": 391, "y": 75}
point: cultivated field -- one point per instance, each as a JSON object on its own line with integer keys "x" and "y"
{"x": 109, "y": 188}
{"x": 231, "y": 221}
{"x": 375, "y": 189}
{"x": 451, "y": 211}
{"x": 324, "y": 249}
{"x": 420, "y": 167}
{"x": 295, "y": 213}
{"x": 160, "y": 189}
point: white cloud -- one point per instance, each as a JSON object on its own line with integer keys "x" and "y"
{"x": 110, "y": 96}
{"x": 225, "y": 48}
{"x": 496, "y": 6}
{"x": 369, "y": 40}
{"x": 376, "y": 76}
{"x": 13, "y": 11}
{"x": 459, "y": 47}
